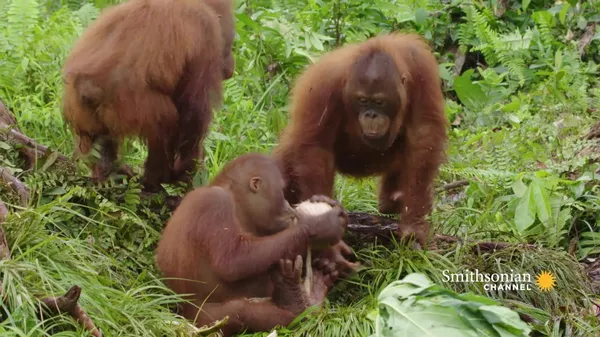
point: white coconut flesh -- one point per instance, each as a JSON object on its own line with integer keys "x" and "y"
{"x": 313, "y": 209}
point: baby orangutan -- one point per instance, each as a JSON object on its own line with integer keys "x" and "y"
{"x": 231, "y": 246}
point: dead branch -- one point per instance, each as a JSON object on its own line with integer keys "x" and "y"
{"x": 593, "y": 147}
{"x": 6, "y": 118}
{"x": 483, "y": 247}
{"x": 10, "y": 132}
{"x": 459, "y": 59}
{"x": 365, "y": 227}
{"x": 4, "y": 250}
{"x": 448, "y": 239}
{"x": 15, "y": 184}
{"x": 68, "y": 303}
{"x": 594, "y": 132}
{"x": 3, "y": 212}
{"x": 500, "y": 8}
{"x": 586, "y": 38}
{"x": 454, "y": 185}
{"x": 592, "y": 269}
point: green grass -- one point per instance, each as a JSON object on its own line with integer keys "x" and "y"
{"x": 509, "y": 141}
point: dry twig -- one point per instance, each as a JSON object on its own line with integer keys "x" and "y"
{"x": 68, "y": 303}
{"x": 454, "y": 185}
{"x": 586, "y": 38}
{"x": 15, "y": 184}
{"x": 500, "y": 8}
{"x": 4, "y": 250}
{"x": 3, "y": 212}
{"x": 10, "y": 132}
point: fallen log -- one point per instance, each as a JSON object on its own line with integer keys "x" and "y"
{"x": 365, "y": 227}
{"x": 370, "y": 228}
{"x": 68, "y": 303}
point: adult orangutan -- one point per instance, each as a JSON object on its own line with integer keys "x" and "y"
{"x": 232, "y": 246}
{"x": 366, "y": 109}
{"x": 151, "y": 69}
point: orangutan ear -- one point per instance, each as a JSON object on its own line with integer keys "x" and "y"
{"x": 254, "y": 184}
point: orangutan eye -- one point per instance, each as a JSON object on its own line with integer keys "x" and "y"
{"x": 378, "y": 102}
{"x": 362, "y": 100}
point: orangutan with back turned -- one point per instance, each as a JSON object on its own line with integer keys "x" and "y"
{"x": 151, "y": 69}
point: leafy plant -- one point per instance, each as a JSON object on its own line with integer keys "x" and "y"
{"x": 416, "y": 307}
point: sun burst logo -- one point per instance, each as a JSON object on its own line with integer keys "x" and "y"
{"x": 545, "y": 281}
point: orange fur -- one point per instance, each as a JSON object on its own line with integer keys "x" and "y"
{"x": 151, "y": 69}
{"x": 224, "y": 241}
{"x": 322, "y": 136}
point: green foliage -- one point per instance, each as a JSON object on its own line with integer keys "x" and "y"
{"x": 416, "y": 307}
{"x": 524, "y": 94}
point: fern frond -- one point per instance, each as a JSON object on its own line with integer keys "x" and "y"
{"x": 543, "y": 23}
{"x": 479, "y": 174}
{"x": 21, "y": 20}
{"x": 86, "y": 14}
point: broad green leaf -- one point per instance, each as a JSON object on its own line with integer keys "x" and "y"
{"x": 469, "y": 93}
{"x": 412, "y": 284}
{"x": 417, "y": 279}
{"x": 304, "y": 53}
{"x": 525, "y": 4}
{"x": 519, "y": 187}
{"x": 525, "y": 211}
{"x": 502, "y": 332}
{"x": 558, "y": 58}
{"x": 420, "y": 16}
{"x": 513, "y": 118}
{"x": 244, "y": 18}
{"x": 57, "y": 191}
{"x": 514, "y": 105}
{"x": 581, "y": 23}
{"x": 505, "y": 318}
{"x": 437, "y": 311}
{"x": 563, "y": 216}
{"x": 422, "y": 320}
{"x": 498, "y": 216}
{"x": 542, "y": 201}
{"x": 563, "y": 13}
{"x": 444, "y": 73}
{"x": 316, "y": 42}
{"x": 578, "y": 189}
{"x": 588, "y": 176}
{"x": 404, "y": 17}
{"x": 24, "y": 63}
{"x": 478, "y": 298}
